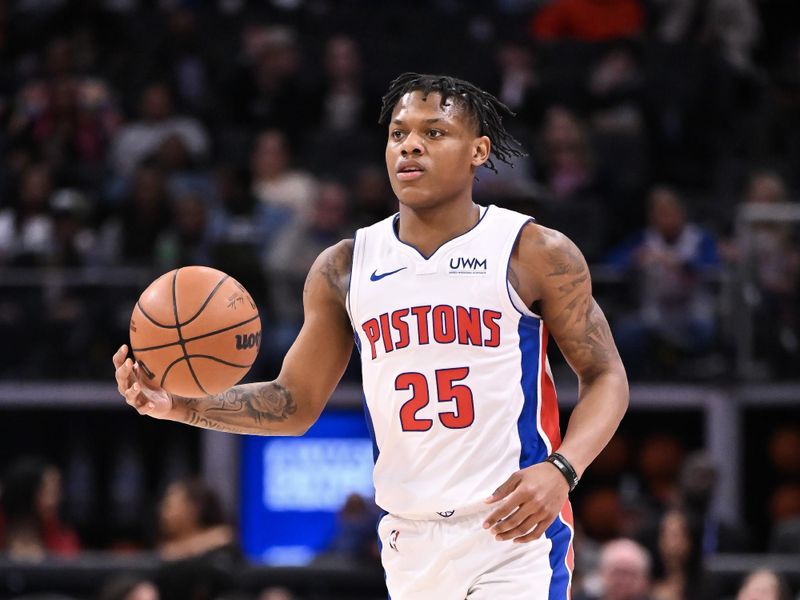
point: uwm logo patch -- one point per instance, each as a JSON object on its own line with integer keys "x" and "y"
{"x": 462, "y": 265}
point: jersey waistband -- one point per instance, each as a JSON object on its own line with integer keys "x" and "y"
{"x": 464, "y": 511}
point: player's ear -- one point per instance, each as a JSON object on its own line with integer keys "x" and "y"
{"x": 481, "y": 148}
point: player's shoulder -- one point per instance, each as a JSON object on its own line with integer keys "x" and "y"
{"x": 333, "y": 267}
{"x": 536, "y": 241}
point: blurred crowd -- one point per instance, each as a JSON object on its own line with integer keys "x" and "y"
{"x": 645, "y": 528}
{"x": 153, "y": 134}
{"x": 146, "y": 135}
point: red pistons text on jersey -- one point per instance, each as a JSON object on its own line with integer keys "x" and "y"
{"x": 443, "y": 324}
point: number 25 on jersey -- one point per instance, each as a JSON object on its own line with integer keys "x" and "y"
{"x": 446, "y": 390}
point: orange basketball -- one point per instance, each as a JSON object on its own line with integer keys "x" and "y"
{"x": 195, "y": 331}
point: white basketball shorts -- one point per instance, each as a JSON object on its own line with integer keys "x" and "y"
{"x": 450, "y": 556}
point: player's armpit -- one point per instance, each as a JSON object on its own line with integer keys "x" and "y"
{"x": 311, "y": 369}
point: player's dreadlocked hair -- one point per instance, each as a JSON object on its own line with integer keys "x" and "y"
{"x": 487, "y": 110}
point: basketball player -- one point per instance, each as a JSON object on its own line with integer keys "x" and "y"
{"x": 451, "y": 304}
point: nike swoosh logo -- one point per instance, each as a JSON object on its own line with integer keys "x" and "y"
{"x": 376, "y": 277}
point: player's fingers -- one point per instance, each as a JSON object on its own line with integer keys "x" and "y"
{"x": 502, "y": 511}
{"x": 119, "y": 356}
{"x": 508, "y": 486}
{"x": 524, "y": 527}
{"x": 511, "y": 521}
{"x": 541, "y": 527}
{"x": 135, "y": 397}
{"x": 123, "y": 376}
{"x": 137, "y": 372}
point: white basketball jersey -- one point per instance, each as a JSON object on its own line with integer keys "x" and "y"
{"x": 458, "y": 392}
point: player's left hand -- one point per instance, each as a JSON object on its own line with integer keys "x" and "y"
{"x": 527, "y": 503}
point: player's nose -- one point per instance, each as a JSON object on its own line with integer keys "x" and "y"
{"x": 412, "y": 144}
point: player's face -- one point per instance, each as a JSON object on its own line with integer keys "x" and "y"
{"x": 432, "y": 151}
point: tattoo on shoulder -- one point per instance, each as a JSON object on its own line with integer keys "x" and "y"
{"x": 336, "y": 269}
{"x": 241, "y": 409}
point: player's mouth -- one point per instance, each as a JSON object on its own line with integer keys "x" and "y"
{"x": 409, "y": 170}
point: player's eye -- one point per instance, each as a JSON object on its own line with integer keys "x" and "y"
{"x": 396, "y": 134}
{"x": 435, "y": 133}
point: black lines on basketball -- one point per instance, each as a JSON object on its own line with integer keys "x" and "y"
{"x": 189, "y": 356}
{"x": 198, "y": 337}
{"x": 205, "y": 302}
{"x": 180, "y": 335}
{"x": 152, "y": 320}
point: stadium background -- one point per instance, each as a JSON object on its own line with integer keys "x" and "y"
{"x": 139, "y": 136}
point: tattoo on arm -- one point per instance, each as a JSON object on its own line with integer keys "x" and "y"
{"x": 250, "y": 408}
{"x": 586, "y": 338}
{"x": 335, "y": 269}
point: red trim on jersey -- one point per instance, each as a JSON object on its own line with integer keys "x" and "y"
{"x": 549, "y": 400}
{"x": 566, "y": 516}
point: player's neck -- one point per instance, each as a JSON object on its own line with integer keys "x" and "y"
{"x": 427, "y": 229}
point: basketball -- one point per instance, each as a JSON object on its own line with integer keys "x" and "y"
{"x": 195, "y": 331}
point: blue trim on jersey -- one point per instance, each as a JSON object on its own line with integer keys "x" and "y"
{"x": 560, "y": 536}
{"x": 396, "y": 218}
{"x": 533, "y": 450}
{"x": 375, "y": 450}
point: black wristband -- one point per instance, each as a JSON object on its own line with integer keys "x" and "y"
{"x": 567, "y": 470}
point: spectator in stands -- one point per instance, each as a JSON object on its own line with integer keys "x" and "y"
{"x": 660, "y": 458}
{"x": 182, "y": 58}
{"x": 344, "y": 114}
{"x": 69, "y": 121}
{"x": 615, "y": 87}
{"x": 764, "y": 584}
{"x": 601, "y": 514}
{"x": 731, "y": 27}
{"x": 588, "y": 20}
{"x": 696, "y": 488}
{"x": 784, "y": 508}
{"x": 32, "y": 528}
{"x": 373, "y": 199}
{"x": 354, "y": 540}
{"x": 26, "y": 228}
{"x": 680, "y": 557}
{"x": 200, "y": 550}
{"x": 294, "y": 251}
{"x": 770, "y": 255}
{"x": 519, "y": 84}
{"x": 267, "y": 90}
{"x": 275, "y": 183}
{"x": 624, "y": 572}
{"x": 182, "y": 172}
{"x": 130, "y": 237}
{"x": 188, "y": 241}
{"x": 128, "y": 587}
{"x": 140, "y": 139}
{"x": 73, "y": 240}
{"x": 344, "y": 102}
{"x": 276, "y": 593}
{"x": 568, "y": 170}
{"x": 669, "y": 259}
{"x": 566, "y": 154}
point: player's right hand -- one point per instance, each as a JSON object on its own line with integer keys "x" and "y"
{"x": 146, "y": 399}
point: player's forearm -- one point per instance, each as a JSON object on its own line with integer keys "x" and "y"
{"x": 266, "y": 408}
{"x": 602, "y": 404}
